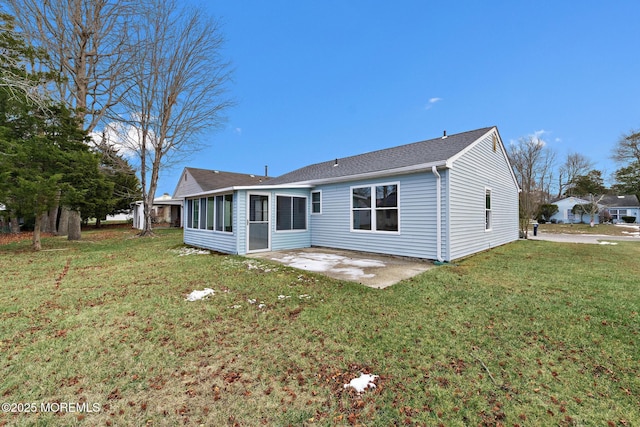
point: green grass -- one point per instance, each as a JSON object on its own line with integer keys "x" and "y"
{"x": 607, "y": 229}
{"x": 533, "y": 333}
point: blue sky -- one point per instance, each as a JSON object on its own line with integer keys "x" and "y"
{"x": 316, "y": 80}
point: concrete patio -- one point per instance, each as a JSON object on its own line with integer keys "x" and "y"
{"x": 373, "y": 270}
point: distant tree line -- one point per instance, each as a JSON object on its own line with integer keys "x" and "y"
{"x": 543, "y": 180}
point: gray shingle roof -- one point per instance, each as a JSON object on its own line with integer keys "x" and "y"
{"x": 210, "y": 180}
{"x": 423, "y": 152}
{"x": 625, "y": 201}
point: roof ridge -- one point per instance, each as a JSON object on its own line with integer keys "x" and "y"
{"x": 455, "y": 135}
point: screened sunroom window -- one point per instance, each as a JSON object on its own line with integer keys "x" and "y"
{"x": 291, "y": 213}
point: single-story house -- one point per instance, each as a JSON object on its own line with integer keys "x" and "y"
{"x": 565, "y": 213}
{"x": 165, "y": 209}
{"x": 619, "y": 206}
{"x": 616, "y": 206}
{"x": 439, "y": 199}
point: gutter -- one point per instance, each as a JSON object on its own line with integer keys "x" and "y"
{"x": 245, "y": 187}
{"x": 438, "y": 214}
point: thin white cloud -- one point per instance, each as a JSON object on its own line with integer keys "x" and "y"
{"x": 432, "y": 102}
{"x": 538, "y": 136}
{"x": 238, "y": 131}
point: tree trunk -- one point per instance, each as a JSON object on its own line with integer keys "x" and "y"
{"x": 36, "y": 245}
{"x": 53, "y": 216}
{"x": 98, "y": 223}
{"x": 147, "y": 230}
{"x": 14, "y": 225}
{"x": 63, "y": 228}
{"x": 44, "y": 222}
{"x": 75, "y": 225}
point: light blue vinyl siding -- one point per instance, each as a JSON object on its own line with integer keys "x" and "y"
{"x": 240, "y": 220}
{"x": 216, "y": 240}
{"x": 280, "y": 240}
{"x": 417, "y": 218}
{"x": 290, "y": 239}
{"x": 475, "y": 171}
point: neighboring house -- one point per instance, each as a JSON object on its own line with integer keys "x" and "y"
{"x": 617, "y": 206}
{"x": 565, "y": 213}
{"x": 164, "y": 210}
{"x": 440, "y": 199}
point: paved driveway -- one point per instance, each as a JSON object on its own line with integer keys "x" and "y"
{"x": 376, "y": 271}
{"x": 601, "y": 239}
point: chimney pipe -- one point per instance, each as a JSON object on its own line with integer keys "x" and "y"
{"x": 444, "y": 134}
{"x": 266, "y": 171}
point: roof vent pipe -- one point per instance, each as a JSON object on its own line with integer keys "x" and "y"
{"x": 336, "y": 163}
{"x": 266, "y": 171}
{"x": 444, "y": 134}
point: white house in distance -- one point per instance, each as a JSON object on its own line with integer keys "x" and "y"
{"x": 165, "y": 209}
{"x": 439, "y": 199}
{"x": 617, "y": 206}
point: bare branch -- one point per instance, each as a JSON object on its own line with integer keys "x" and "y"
{"x": 86, "y": 42}
{"x": 627, "y": 150}
{"x": 179, "y": 87}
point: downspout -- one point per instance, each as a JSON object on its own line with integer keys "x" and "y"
{"x": 438, "y": 215}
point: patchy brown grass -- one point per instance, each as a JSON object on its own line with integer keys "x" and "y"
{"x": 605, "y": 229}
{"x": 532, "y": 333}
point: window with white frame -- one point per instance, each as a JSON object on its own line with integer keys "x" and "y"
{"x": 379, "y": 215}
{"x": 617, "y": 214}
{"x": 189, "y": 213}
{"x": 487, "y": 209}
{"x": 211, "y": 213}
{"x": 224, "y": 209}
{"x": 291, "y": 213}
{"x": 316, "y": 202}
{"x": 196, "y": 213}
{"x": 203, "y": 213}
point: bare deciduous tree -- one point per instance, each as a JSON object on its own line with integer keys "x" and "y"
{"x": 87, "y": 44}
{"x": 575, "y": 165}
{"x": 627, "y": 149}
{"x": 179, "y": 84}
{"x": 19, "y": 79}
{"x": 532, "y": 163}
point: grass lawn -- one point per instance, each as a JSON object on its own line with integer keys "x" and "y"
{"x": 533, "y": 334}
{"x": 607, "y": 229}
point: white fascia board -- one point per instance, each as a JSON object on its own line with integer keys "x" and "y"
{"x": 423, "y": 167}
{"x": 168, "y": 202}
{"x": 245, "y": 187}
{"x": 205, "y": 193}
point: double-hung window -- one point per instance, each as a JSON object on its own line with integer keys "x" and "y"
{"x": 316, "y": 202}
{"x": 487, "y": 209}
{"x": 291, "y": 213}
{"x": 380, "y": 214}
